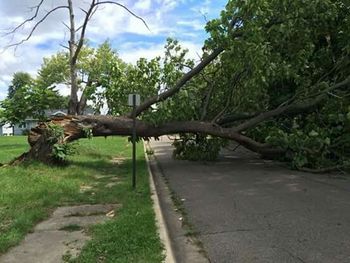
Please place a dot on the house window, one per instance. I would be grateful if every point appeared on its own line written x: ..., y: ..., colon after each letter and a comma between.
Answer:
x: 23, y: 125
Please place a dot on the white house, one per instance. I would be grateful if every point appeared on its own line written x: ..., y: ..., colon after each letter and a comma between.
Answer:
x: 25, y: 126
x: 7, y: 129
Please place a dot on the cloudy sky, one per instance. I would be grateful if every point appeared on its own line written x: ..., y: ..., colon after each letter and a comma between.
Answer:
x: 180, y: 19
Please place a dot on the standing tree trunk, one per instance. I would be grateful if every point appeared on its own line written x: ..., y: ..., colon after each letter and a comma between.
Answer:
x: 73, y: 101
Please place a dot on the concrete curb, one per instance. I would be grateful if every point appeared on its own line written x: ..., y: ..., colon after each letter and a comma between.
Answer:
x: 184, y: 248
x: 160, y: 222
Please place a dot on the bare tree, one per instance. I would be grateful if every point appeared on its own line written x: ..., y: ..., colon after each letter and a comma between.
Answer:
x: 76, y: 39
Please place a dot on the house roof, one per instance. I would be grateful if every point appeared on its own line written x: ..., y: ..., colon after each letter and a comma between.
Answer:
x: 64, y: 112
x: 55, y: 113
x: 58, y: 113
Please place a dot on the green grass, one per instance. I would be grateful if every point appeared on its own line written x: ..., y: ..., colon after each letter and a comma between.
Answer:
x: 30, y: 192
x: 12, y: 146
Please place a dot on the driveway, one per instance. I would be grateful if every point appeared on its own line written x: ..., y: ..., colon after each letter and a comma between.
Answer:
x: 249, y: 210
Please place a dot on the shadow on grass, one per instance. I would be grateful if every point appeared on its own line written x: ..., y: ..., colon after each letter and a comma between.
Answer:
x: 13, y: 145
x: 100, y: 166
x: 106, y: 167
x: 96, y: 155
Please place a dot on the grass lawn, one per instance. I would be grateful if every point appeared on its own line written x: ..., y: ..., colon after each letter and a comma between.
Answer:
x: 30, y: 192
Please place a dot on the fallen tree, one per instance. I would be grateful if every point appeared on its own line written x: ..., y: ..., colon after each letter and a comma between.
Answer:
x: 43, y: 138
x: 255, y: 84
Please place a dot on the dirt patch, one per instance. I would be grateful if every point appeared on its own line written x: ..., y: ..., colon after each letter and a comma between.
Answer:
x: 85, y: 188
x: 112, y: 184
x: 106, y: 177
x: 118, y: 160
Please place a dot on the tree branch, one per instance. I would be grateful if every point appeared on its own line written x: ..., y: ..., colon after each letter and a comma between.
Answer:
x: 206, y: 100
x: 37, y: 8
x: 64, y: 46
x: 235, y: 81
x: 125, y: 8
x: 295, y: 108
x: 323, y: 170
x: 207, y: 97
x: 88, y: 14
x: 66, y: 25
x: 83, y: 30
x: 234, y: 117
x: 185, y: 78
x: 35, y: 26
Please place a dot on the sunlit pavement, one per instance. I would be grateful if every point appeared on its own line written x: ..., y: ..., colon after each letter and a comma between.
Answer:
x: 249, y: 210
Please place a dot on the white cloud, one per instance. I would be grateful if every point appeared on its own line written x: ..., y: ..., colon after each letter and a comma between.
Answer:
x: 26, y: 58
x: 176, y: 18
x: 194, y: 24
x: 144, y: 5
x: 131, y: 53
x: 3, y: 89
x: 63, y: 89
x: 7, y: 58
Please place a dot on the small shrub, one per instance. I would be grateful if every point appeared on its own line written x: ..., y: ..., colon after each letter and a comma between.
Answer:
x: 62, y: 151
x: 56, y: 133
x: 198, y: 147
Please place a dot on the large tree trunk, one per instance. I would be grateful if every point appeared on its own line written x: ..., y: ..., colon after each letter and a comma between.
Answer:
x: 75, y: 127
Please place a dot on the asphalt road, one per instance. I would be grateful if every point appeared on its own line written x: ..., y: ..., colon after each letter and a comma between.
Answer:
x: 249, y: 210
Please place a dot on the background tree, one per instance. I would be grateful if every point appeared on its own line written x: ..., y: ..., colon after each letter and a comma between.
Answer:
x: 94, y: 70
x: 28, y: 98
x: 76, y: 40
x: 19, y: 80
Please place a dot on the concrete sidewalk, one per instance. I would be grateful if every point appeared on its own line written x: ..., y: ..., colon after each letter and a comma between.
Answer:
x: 249, y: 210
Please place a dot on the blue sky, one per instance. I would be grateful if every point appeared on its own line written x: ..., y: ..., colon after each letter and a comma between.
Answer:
x: 181, y: 19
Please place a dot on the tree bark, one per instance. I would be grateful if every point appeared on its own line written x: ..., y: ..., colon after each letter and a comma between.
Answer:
x: 75, y: 128
x: 73, y: 101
